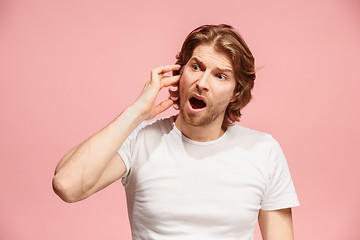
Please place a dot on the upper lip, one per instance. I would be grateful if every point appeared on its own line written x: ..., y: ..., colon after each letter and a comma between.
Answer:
x: 195, y: 95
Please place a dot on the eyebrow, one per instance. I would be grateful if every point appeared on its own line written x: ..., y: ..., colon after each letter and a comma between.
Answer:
x: 196, y: 59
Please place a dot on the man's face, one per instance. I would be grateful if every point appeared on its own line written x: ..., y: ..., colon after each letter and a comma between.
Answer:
x: 206, y: 86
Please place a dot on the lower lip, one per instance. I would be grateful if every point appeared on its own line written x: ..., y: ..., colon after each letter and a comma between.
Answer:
x: 192, y: 110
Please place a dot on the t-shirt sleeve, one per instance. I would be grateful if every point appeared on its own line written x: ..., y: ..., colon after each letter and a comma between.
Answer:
x: 126, y: 151
x: 280, y: 192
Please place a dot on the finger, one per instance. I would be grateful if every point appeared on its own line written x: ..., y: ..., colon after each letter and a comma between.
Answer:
x: 158, y: 73
x: 169, y: 68
x: 164, y: 69
x: 155, y: 73
x: 168, y: 81
x: 163, y: 106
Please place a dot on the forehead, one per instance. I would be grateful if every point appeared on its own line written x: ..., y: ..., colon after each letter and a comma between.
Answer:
x: 208, y: 54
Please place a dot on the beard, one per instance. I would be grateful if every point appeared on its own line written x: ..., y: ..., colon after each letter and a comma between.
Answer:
x: 211, y: 114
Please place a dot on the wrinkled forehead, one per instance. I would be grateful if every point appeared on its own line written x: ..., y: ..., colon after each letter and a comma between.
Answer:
x: 210, y: 53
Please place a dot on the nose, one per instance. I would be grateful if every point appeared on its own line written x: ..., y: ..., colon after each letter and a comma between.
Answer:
x: 202, y: 84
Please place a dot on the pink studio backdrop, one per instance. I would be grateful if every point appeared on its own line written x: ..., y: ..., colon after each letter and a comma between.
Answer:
x: 67, y: 68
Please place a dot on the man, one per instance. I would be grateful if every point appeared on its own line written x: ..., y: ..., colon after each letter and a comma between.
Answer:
x: 194, y: 175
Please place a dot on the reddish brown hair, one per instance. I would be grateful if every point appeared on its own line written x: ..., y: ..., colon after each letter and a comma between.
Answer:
x: 225, y: 39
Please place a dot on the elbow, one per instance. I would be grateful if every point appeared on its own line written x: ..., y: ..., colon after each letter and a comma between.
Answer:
x: 63, y: 190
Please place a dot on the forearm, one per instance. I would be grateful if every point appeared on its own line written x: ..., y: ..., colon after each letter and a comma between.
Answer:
x: 80, y: 169
x: 94, y: 164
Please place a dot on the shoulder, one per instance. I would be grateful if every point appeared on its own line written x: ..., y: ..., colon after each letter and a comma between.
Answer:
x: 157, y: 127
x: 254, y: 141
x: 250, y: 136
x: 148, y: 134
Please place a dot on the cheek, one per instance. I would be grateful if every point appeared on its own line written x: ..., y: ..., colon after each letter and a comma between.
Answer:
x: 226, y: 97
x: 184, y: 83
x: 182, y: 89
x: 188, y: 76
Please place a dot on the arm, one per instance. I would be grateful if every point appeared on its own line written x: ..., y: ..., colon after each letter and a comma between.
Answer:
x: 95, y: 163
x: 276, y: 224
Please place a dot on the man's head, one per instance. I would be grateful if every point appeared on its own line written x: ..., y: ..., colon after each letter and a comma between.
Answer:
x: 224, y: 39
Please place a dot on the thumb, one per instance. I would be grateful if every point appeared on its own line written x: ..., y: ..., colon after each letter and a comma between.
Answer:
x: 163, y: 106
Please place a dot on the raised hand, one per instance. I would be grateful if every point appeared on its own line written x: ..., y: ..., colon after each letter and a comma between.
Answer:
x: 94, y: 164
x: 145, y: 103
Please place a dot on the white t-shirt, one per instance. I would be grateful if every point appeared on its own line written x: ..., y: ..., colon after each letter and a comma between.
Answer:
x: 180, y: 189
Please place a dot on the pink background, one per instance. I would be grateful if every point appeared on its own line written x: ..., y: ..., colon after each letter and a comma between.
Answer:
x: 67, y: 68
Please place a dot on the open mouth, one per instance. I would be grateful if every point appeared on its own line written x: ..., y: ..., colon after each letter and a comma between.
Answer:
x: 197, y: 103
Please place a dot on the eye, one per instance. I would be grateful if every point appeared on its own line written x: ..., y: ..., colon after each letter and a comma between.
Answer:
x: 195, y: 67
x: 221, y: 76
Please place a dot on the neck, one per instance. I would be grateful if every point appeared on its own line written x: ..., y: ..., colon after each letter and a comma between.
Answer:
x: 205, y: 133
